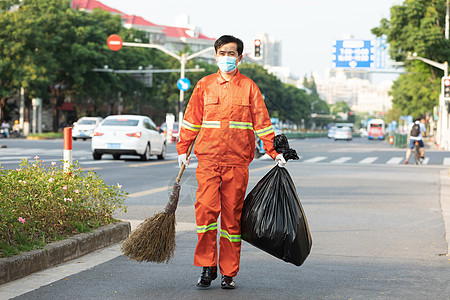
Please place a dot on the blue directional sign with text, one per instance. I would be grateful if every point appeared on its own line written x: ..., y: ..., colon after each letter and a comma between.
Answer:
x: 183, y: 84
x: 353, y: 54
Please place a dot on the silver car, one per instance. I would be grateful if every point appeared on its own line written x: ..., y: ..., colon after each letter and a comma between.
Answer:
x: 128, y: 135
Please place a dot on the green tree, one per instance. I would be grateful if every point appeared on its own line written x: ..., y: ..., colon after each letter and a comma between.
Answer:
x: 416, y: 26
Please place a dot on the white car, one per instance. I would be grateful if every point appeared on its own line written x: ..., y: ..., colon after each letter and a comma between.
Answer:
x: 128, y: 135
x: 84, y: 127
x: 344, y: 133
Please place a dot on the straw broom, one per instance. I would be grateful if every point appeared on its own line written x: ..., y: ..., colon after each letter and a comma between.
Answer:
x: 154, y: 239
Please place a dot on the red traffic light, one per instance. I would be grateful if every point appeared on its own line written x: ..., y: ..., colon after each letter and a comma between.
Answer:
x: 447, y: 82
x: 257, y: 43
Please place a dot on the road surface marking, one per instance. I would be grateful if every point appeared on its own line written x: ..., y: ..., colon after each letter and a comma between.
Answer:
x: 368, y: 160
x: 262, y: 168
x: 341, y: 160
x: 394, y: 161
x: 152, y: 163
x: 446, y: 161
x: 315, y: 159
x: 425, y: 161
x: 149, y: 192
x: 99, y: 162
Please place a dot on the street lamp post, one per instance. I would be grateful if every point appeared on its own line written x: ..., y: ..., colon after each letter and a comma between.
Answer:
x: 182, y: 59
x: 443, y: 131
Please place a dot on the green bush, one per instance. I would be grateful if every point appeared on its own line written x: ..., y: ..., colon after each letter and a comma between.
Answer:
x: 40, y: 204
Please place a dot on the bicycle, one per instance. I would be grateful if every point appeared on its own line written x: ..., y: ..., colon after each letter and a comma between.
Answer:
x: 417, y: 158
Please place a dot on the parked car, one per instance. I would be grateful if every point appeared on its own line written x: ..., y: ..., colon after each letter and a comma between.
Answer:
x: 175, y: 131
x: 344, y: 133
x: 84, y: 127
x: 128, y: 135
x: 331, y: 132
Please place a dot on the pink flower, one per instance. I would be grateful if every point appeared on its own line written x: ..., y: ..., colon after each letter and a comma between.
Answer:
x: 68, y: 199
x: 20, y: 219
x: 76, y: 191
x: 22, y: 181
x: 36, y: 157
x: 34, y: 165
x: 119, y: 186
x: 18, y: 170
x: 53, y: 163
x: 65, y: 187
x: 51, y: 180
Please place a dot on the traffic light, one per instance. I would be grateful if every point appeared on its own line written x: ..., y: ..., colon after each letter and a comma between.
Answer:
x: 446, y: 87
x: 257, y: 48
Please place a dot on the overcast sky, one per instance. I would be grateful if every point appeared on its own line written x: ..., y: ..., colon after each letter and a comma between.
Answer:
x: 307, y: 28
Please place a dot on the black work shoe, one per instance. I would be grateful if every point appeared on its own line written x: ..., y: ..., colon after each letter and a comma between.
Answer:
x: 227, y: 282
x: 208, y: 275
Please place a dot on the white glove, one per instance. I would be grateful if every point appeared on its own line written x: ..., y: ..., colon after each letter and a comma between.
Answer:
x: 182, y: 159
x: 279, y: 159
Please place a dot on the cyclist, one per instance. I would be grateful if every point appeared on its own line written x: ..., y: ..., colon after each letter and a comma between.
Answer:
x: 415, y: 135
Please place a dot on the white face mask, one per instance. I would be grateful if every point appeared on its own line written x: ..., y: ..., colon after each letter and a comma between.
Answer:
x: 226, y: 64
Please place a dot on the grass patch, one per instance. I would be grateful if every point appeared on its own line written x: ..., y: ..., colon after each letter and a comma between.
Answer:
x: 47, y: 135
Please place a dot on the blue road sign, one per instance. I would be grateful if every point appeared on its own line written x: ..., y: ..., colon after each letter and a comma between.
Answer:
x: 353, y: 54
x: 183, y: 84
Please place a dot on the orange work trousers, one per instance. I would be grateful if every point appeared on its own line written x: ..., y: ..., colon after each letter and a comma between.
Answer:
x: 221, y: 190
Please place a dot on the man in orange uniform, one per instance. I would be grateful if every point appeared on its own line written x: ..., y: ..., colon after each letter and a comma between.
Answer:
x: 224, y: 111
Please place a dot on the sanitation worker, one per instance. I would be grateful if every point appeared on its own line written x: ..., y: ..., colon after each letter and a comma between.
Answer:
x: 224, y: 111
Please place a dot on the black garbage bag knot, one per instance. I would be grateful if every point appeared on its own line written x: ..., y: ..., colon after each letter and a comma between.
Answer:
x: 281, y: 145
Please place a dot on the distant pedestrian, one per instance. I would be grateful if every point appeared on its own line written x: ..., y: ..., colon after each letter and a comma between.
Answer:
x: 5, y: 128
x: 224, y: 111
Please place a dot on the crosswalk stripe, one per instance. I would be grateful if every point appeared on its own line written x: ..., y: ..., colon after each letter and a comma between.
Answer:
x: 394, y: 161
x: 315, y: 159
x: 368, y: 160
x: 425, y: 161
x: 341, y: 160
x: 446, y: 161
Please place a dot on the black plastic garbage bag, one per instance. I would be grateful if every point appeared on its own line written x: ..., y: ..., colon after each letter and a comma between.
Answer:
x: 273, y: 219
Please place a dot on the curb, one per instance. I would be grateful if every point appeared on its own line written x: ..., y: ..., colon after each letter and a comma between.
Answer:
x: 15, y: 267
x: 445, y: 204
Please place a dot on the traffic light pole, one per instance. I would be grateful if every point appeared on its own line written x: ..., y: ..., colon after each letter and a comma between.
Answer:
x: 182, y: 59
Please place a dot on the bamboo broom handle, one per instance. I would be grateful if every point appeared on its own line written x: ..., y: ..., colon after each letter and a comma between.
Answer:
x: 183, y: 166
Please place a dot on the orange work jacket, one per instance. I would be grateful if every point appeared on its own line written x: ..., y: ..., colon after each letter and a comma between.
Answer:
x: 225, y: 115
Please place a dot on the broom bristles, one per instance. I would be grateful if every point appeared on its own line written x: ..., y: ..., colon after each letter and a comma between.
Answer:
x: 153, y: 240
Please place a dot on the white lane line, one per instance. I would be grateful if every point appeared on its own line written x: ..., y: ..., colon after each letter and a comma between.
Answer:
x: 315, y: 159
x: 341, y: 160
x: 149, y: 192
x: 100, y: 162
x: 368, y: 160
x: 394, y: 161
x: 446, y: 161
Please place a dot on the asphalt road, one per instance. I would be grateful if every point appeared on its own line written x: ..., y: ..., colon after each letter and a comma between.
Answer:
x: 377, y: 230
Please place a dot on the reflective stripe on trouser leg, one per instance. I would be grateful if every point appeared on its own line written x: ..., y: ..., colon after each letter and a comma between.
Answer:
x: 207, y: 209
x: 232, y: 194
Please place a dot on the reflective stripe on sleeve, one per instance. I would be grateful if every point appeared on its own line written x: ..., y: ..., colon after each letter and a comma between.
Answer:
x: 205, y: 228
x: 231, y: 238
x: 211, y: 124
x: 241, y: 125
x: 265, y: 131
x: 190, y: 126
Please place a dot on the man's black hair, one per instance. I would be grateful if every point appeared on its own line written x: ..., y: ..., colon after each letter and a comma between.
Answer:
x: 226, y: 39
